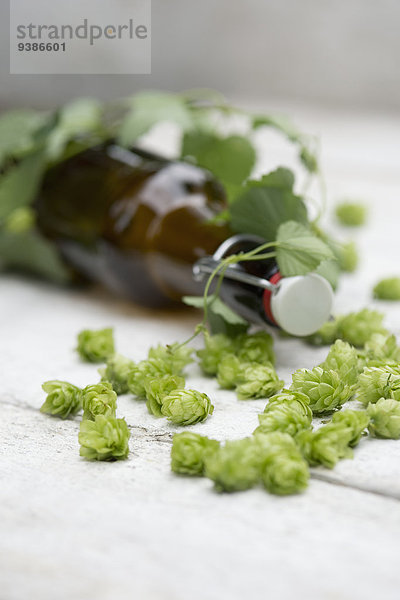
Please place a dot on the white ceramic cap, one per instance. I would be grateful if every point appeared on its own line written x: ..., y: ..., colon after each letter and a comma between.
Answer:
x: 302, y: 304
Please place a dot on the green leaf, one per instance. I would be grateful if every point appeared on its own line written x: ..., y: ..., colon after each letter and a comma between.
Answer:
x: 28, y: 251
x: 230, y: 159
x: 77, y: 119
x: 221, y: 318
x: 329, y: 269
x: 17, y: 129
x: 19, y: 184
x: 280, y: 123
x: 264, y: 205
x: 299, y: 251
x: 149, y: 108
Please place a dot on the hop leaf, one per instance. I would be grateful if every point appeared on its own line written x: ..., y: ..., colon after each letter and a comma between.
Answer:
x: 343, y: 359
x: 105, y: 438
x: 176, y: 356
x: 63, y: 399
x: 98, y: 399
x: 352, y: 214
x: 234, y: 466
x: 157, y: 389
x: 189, y: 452
x: 378, y: 382
x: 229, y: 371
x: 385, y: 418
x: 146, y: 370
x: 356, y: 420
x: 116, y: 372
x: 258, y: 381
x: 288, y: 412
x: 95, y: 346
x: 283, y: 469
x: 327, y: 445
x: 186, y: 407
x: 325, y: 389
x: 216, y: 346
x: 256, y: 347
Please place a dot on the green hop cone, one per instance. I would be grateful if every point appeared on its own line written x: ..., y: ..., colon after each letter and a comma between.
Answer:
x: 105, y: 438
x: 385, y: 418
x: 116, y: 372
x: 327, y: 445
x: 229, y: 371
x: 98, y: 399
x: 234, y: 466
x: 216, y: 346
x: 326, y: 335
x: 344, y: 359
x: 157, y: 389
x: 256, y: 347
x: 189, y: 452
x: 288, y: 412
x: 382, y: 347
x: 258, y: 381
x: 351, y: 214
x: 356, y: 420
x: 283, y: 469
x: 186, y: 407
x: 387, y: 289
x: 357, y: 328
x: 96, y: 346
x: 378, y: 382
x: 325, y: 389
x: 63, y: 399
x: 348, y: 257
x: 177, y: 356
x: 145, y: 370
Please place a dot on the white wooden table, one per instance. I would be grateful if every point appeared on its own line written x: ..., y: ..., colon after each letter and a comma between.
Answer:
x: 70, y: 529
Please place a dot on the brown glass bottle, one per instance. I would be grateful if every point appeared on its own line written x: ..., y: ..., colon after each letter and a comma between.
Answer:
x: 139, y: 224
x: 133, y: 221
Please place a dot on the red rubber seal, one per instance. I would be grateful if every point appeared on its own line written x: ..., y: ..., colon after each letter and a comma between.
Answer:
x: 267, y: 298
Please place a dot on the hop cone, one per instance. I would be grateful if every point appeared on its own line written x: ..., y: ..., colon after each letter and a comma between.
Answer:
x: 325, y: 389
x: 382, y: 347
x: 229, y: 371
x: 256, y: 347
x: 177, y: 356
x: 116, y: 372
x: 356, y: 420
x: 344, y: 359
x: 378, y: 382
x: 189, y: 452
x: 98, y: 399
x: 283, y: 469
x: 357, y: 328
x: 63, y: 399
x: 96, y: 346
x: 288, y: 412
x: 186, y: 407
x: 216, y: 346
x: 258, y: 381
x: 385, y: 418
x: 325, y: 446
x: 234, y: 466
x: 145, y: 370
x: 157, y: 389
x: 105, y: 438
